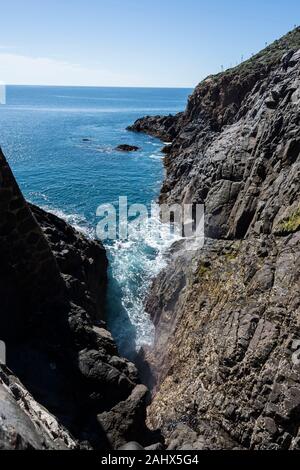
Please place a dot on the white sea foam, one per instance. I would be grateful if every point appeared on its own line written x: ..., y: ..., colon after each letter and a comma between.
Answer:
x: 33, y: 195
x: 78, y: 221
x: 155, y: 156
x: 135, y: 262
x: 152, y: 142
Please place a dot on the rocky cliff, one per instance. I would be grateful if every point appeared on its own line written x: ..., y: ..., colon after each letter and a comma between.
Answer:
x: 64, y: 385
x: 228, y: 316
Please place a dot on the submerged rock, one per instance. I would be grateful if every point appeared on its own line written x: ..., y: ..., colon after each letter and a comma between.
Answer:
x: 127, y: 148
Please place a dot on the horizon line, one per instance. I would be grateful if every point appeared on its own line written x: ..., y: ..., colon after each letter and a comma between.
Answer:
x: 102, y: 86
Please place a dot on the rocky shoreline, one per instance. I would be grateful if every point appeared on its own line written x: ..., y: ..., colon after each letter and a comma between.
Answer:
x: 227, y: 316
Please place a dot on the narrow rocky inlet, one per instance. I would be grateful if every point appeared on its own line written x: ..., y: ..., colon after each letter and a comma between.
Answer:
x: 225, y: 363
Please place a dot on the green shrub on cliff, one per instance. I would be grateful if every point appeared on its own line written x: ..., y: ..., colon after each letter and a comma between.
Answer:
x: 290, y: 224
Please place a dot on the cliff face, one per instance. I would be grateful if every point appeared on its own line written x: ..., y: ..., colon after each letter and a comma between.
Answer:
x: 227, y: 316
x: 64, y: 383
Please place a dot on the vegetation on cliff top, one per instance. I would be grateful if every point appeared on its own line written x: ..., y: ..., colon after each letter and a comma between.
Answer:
x: 267, y: 57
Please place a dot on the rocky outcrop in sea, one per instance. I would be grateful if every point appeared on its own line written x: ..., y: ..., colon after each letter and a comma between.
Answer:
x: 227, y: 316
x: 127, y: 148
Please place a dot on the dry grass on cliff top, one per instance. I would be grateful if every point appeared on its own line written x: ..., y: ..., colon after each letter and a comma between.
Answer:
x: 266, y: 58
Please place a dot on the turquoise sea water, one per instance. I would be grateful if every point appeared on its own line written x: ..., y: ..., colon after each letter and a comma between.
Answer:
x: 43, y: 134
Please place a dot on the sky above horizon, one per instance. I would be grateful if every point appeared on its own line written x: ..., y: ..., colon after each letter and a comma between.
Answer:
x: 151, y: 43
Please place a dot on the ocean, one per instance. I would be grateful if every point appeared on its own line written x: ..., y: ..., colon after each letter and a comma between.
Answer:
x: 60, y: 144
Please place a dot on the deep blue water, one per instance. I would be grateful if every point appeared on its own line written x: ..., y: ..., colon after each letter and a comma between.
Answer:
x: 42, y: 132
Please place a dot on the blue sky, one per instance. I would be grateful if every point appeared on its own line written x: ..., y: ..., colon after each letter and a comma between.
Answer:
x: 172, y: 43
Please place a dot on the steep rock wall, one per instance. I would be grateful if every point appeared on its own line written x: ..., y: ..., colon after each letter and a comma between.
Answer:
x: 227, y: 316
